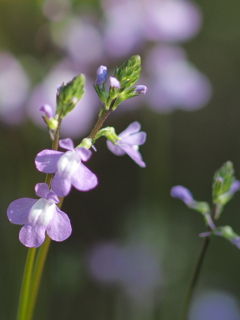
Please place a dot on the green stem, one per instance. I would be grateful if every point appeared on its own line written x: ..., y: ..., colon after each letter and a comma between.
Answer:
x: 26, y: 282
x: 36, y: 276
x: 99, y: 124
x: 194, y: 278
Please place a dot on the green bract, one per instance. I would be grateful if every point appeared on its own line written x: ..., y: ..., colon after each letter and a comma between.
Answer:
x: 222, y: 181
x: 69, y: 95
x: 129, y: 72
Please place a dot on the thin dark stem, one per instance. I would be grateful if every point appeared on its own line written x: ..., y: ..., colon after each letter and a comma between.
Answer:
x: 196, y: 271
x: 194, y: 278
x: 99, y: 124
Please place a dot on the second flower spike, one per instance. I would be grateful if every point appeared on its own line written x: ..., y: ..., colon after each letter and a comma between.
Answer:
x: 68, y: 168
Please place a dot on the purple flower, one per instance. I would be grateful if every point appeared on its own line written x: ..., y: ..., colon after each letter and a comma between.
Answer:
x: 47, y: 110
x: 183, y: 194
x: 39, y: 216
x: 68, y: 168
x: 114, y: 83
x: 129, y: 141
x: 141, y: 89
x: 101, y: 75
x: 234, y: 187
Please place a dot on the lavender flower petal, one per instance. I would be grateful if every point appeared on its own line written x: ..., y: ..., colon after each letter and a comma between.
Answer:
x: 135, y: 139
x: 183, y: 194
x: 66, y: 144
x: 134, y: 154
x: 61, y: 185
x: 48, y: 110
x: 46, y: 160
x: 32, y: 236
x: 84, y: 153
x: 60, y: 227
x: 84, y: 179
x: 41, y: 190
x: 18, y: 210
x: 234, y: 187
x: 115, y: 149
x: 132, y: 128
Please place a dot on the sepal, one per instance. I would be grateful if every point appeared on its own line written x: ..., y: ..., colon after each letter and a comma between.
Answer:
x: 109, y: 133
x: 86, y: 143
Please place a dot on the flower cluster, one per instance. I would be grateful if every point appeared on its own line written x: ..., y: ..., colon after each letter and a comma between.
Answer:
x: 66, y: 169
x: 223, y: 189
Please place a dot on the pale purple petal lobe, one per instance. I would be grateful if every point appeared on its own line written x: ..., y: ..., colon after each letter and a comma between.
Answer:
x: 41, y: 190
x: 137, y: 138
x: 60, y: 227
x: 32, y: 236
x: 46, y: 160
x: 60, y: 185
x: 84, y: 179
x: 84, y: 153
x: 132, y: 128
x: 18, y: 210
x: 48, y: 110
x: 66, y: 144
x: 134, y: 154
x: 183, y: 194
x: 130, y: 140
x: 115, y: 149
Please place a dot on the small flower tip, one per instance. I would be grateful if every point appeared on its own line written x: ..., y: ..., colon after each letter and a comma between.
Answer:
x: 101, y: 75
x: 114, y: 82
x: 141, y: 89
x: 182, y: 193
x: 47, y: 110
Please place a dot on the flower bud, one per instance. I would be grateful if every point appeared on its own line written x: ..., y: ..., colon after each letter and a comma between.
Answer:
x: 183, y: 194
x: 114, y: 83
x: 101, y: 75
x: 140, y: 89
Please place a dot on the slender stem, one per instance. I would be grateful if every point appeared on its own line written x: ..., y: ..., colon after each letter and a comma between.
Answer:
x: 36, y: 277
x: 197, y: 269
x: 26, y: 282
x: 99, y: 123
x: 194, y: 278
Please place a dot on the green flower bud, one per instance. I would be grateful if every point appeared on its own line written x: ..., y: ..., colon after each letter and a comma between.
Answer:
x: 86, y: 143
x: 129, y: 72
x: 69, y: 95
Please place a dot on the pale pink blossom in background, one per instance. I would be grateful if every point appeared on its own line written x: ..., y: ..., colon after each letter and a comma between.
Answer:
x: 14, y: 88
x: 174, y: 83
x: 134, y: 267
x: 215, y: 304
